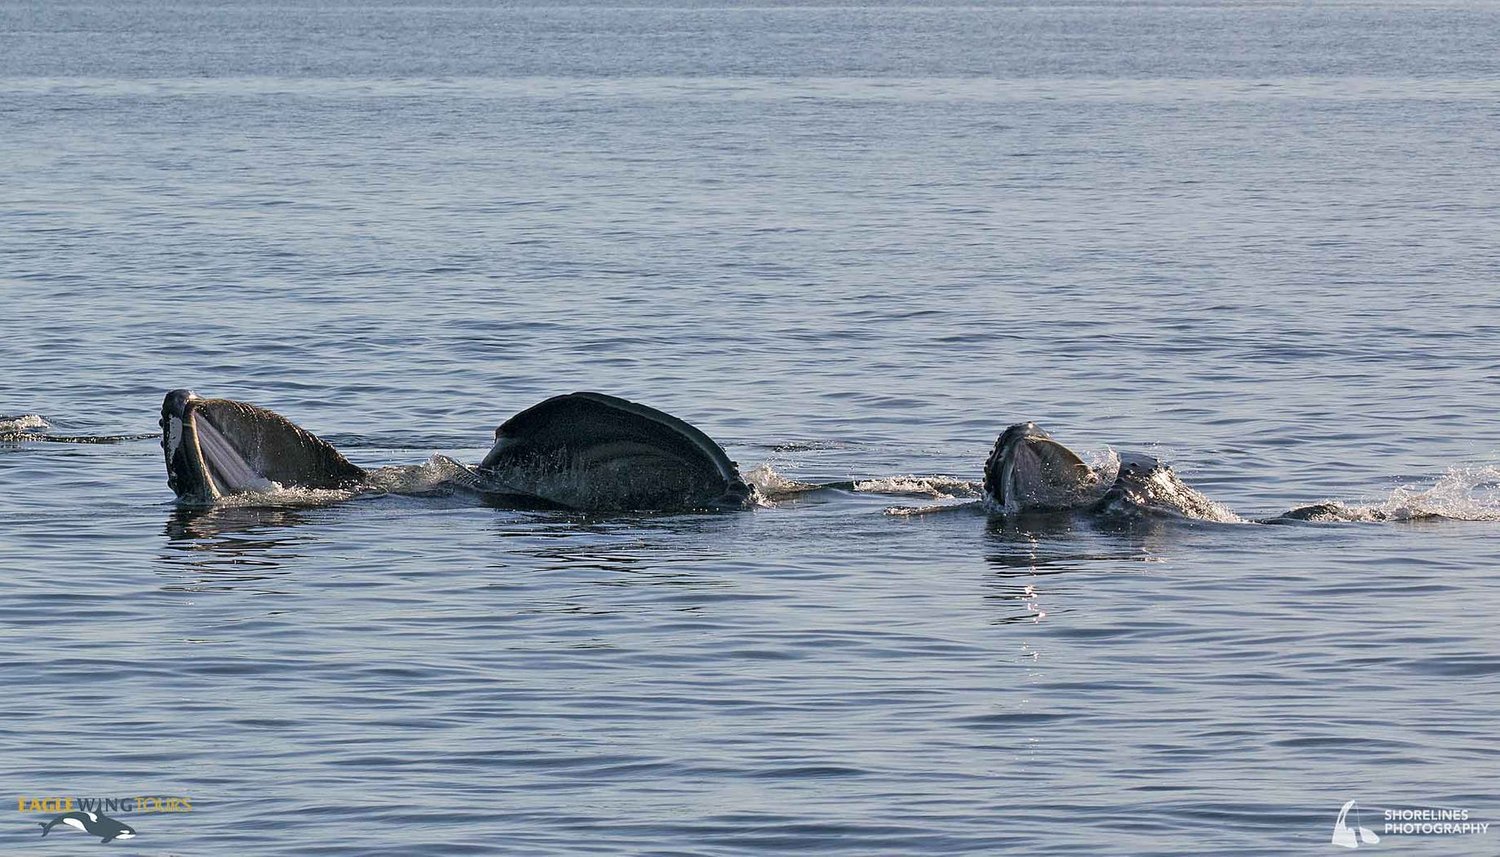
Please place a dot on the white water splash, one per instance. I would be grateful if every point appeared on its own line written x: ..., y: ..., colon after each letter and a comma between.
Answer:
x: 764, y: 478
x: 936, y: 487
x: 767, y: 486
x: 437, y: 473
x: 933, y: 508
x: 22, y: 423
x: 1463, y: 494
x: 1106, y: 464
x: 277, y: 495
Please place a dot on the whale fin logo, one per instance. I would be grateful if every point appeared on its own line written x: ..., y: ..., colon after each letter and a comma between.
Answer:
x: 1351, y: 837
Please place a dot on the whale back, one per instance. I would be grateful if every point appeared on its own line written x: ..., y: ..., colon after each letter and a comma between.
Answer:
x: 598, y: 453
x: 218, y: 447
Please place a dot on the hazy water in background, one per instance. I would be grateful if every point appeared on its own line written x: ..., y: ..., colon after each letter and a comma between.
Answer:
x: 846, y: 240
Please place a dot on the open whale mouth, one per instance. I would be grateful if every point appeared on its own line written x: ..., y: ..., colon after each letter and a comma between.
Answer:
x: 1028, y: 469
x: 219, y: 447
x: 202, y: 463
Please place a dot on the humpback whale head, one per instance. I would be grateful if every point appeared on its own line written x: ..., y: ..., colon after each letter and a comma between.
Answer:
x: 218, y: 447
x: 1145, y: 484
x: 1029, y: 470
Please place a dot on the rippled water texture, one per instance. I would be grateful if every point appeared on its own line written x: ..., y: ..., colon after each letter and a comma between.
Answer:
x: 849, y: 243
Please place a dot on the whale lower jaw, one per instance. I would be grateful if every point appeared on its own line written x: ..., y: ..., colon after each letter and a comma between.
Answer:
x: 214, y: 467
x: 203, y: 466
x: 216, y: 448
x: 1030, y: 470
x: 189, y: 472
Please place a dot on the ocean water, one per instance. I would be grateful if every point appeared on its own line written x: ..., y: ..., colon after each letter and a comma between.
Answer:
x: 848, y: 241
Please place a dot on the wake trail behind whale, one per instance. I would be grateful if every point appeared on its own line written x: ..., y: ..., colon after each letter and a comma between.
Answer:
x: 1466, y: 493
x: 774, y: 486
x: 33, y: 427
x: 21, y: 423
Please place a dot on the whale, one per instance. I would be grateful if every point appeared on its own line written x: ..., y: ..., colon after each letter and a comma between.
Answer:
x: 1028, y: 470
x: 217, y: 448
x: 92, y: 823
x: 1145, y: 483
x: 584, y: 451
x: 594, y: 452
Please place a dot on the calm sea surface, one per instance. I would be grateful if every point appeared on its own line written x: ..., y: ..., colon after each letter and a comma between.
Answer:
x: 846, y: 241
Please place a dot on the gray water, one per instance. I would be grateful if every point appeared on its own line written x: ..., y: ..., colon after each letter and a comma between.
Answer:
x: 847, y: 241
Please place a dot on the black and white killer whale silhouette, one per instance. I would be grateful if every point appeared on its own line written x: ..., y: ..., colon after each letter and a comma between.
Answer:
x: 92, y: 823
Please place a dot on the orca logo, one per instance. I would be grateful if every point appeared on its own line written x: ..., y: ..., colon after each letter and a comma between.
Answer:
x: 92, y: 823
x: 1352, y: 837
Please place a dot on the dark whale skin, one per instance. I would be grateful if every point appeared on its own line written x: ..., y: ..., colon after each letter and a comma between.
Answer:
x: 596, y: 453
x: 271, y: 445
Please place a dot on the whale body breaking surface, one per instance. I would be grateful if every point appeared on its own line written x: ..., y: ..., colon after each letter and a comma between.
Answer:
x: 586, y: 452
x: 594, y: 453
